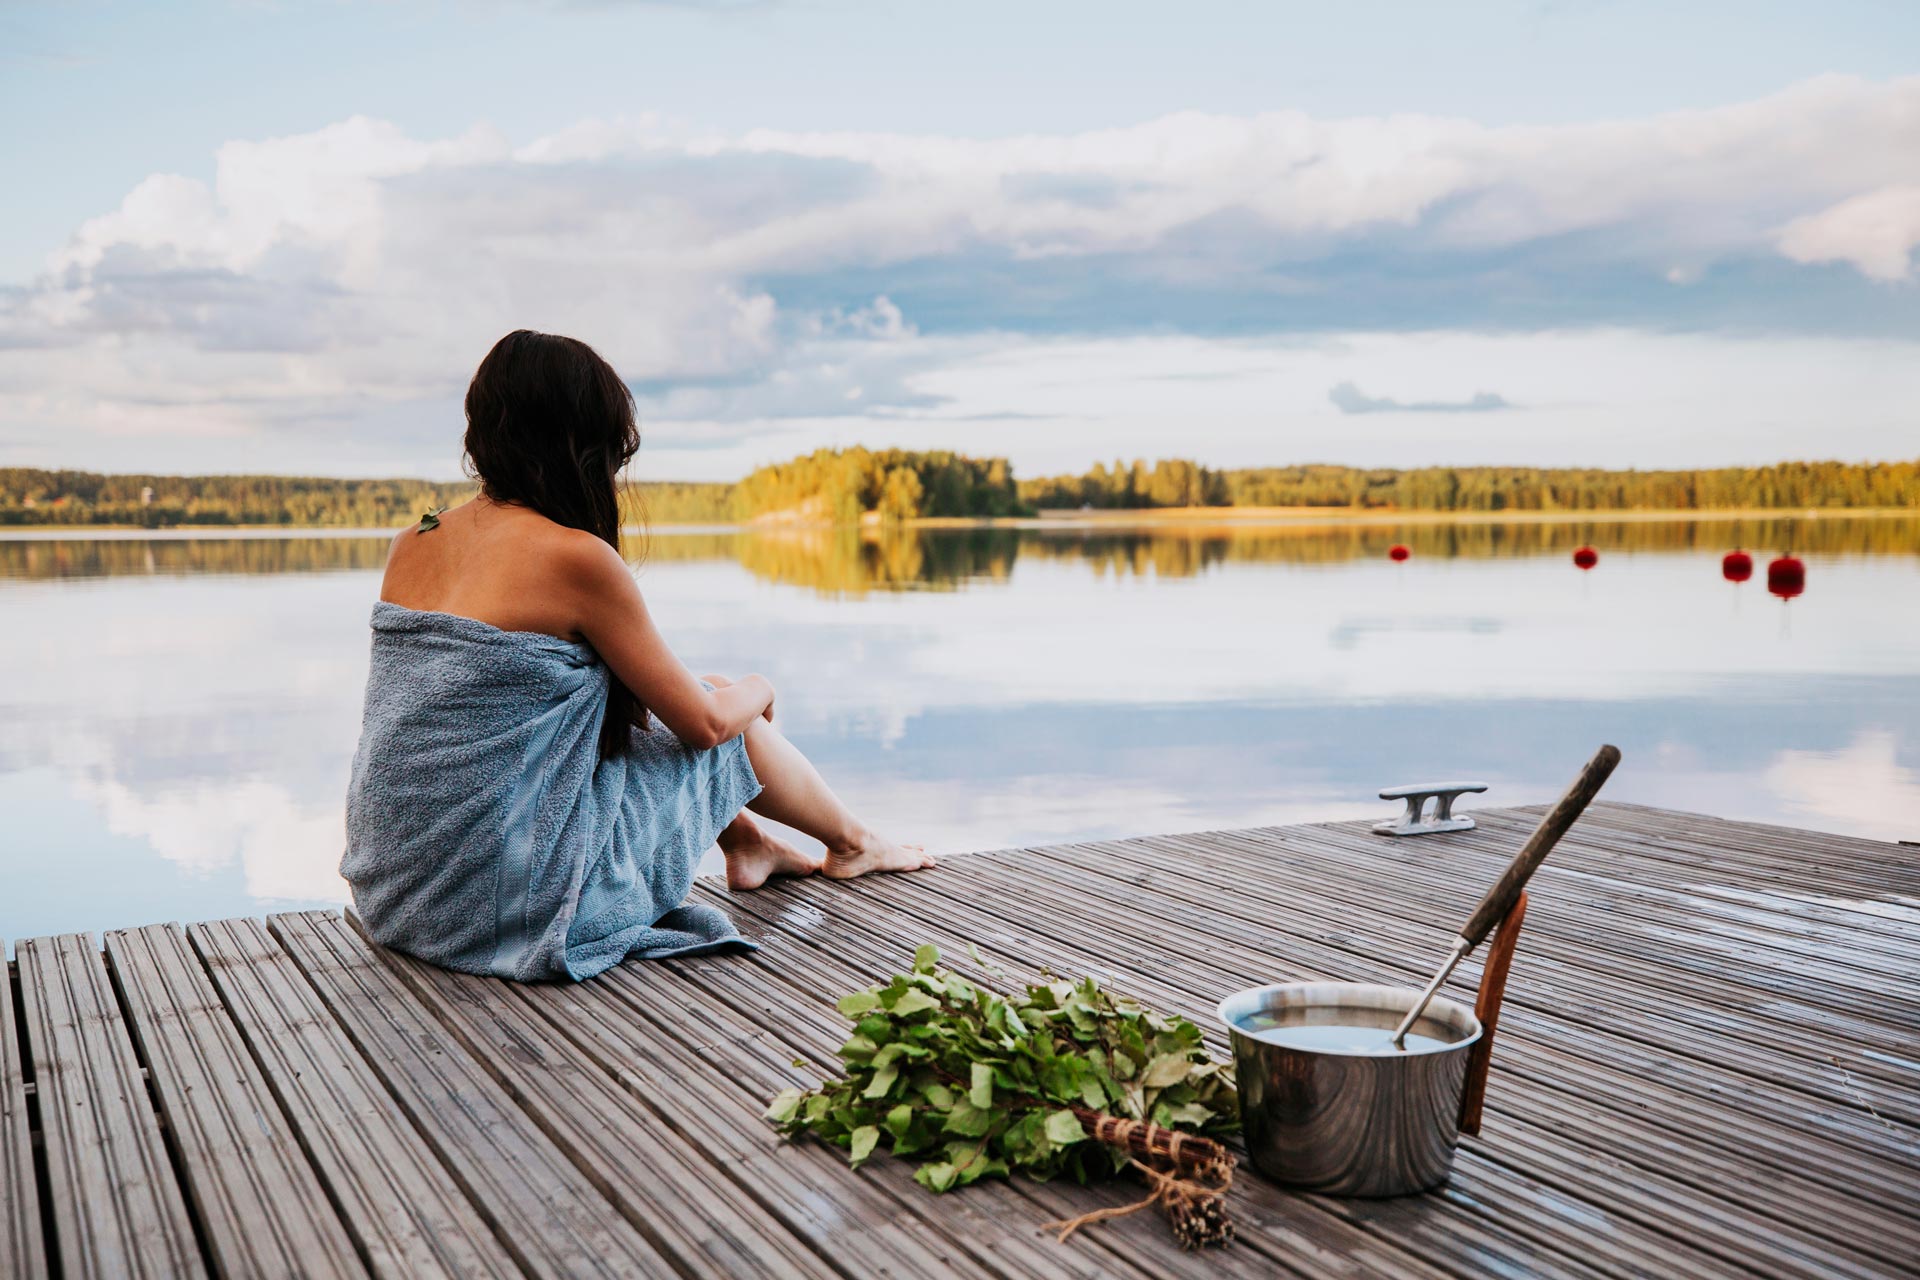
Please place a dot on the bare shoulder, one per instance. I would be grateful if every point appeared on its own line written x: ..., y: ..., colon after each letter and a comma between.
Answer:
x: 576, y: 556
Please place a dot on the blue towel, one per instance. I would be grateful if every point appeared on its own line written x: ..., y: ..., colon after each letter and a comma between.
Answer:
x: 484, y: 832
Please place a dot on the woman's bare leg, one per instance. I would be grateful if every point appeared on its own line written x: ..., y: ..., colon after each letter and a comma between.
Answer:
x: 795, y: 793
x: 755, y: 854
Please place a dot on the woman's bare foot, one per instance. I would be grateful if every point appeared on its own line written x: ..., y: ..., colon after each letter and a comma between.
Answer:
x: 754, y: 855
x: 872, y: 853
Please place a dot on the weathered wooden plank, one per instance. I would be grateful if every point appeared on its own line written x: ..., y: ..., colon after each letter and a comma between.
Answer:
x: 22, y: 1252
x: 1597, y: 913
x: 661, y: 1049
x: 869, y: 939
x: 1777, y: 1037
x: 1715, y: 930
x: 1581, y: 995
x: 673, y: 1191
x: 260, y: 1208
x: 403, y: 1209
x: 545, y: 1210
x: 1728, y: 1232
x: 1791, y: 1135
x: 786, y: 996
x: 1578, y: 1148
x: 117, y: 1209
x: 1687, y: 844
x: 1875, y: 905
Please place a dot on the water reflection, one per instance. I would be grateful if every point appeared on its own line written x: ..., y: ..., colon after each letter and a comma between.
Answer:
x: 177, y: 715
x: 852, y: 561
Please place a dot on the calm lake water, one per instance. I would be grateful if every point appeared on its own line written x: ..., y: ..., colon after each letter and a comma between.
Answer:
x: 177, y: 714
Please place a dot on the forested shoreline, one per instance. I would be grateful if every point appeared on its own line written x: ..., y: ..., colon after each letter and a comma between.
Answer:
x: 844, y: 486
x: 35, y: 497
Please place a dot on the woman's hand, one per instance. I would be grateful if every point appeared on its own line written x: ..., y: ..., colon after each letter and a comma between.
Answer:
x: 613, y: 618
x: 721, y: 682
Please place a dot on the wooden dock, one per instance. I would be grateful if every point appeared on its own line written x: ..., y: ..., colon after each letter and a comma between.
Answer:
x: 1709, y: 1064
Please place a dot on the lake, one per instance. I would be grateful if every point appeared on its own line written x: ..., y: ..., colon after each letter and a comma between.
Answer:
x: 177, y: 713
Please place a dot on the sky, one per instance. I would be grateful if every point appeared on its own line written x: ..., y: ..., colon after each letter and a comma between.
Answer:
x: 275, y: 235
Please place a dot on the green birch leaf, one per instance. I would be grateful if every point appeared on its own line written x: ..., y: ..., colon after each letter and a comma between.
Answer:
x: 925, y: 957
x: 1189, y: 1115
x: 981, y: 1094
x: 1168, y: 1068
x: 882, y: 1081
x: 1064, y: 1127
x: 913, y: 1002
x: 864, y: 1139
x: 785, y: 1104
x: 858, y: 1003
x: 937, y: 1175
x: 968, y: 1120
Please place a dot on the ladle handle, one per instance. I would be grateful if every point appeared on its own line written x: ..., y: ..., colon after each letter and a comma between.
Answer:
x: 1500, y: 898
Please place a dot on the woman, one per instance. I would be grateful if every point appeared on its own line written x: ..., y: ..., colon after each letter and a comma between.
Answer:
x: 538, y: 774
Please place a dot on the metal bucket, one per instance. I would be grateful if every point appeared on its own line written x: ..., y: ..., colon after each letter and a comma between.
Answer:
x: 1350, y: 1124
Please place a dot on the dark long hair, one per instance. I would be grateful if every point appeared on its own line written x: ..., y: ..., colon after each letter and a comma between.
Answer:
x: 550, y: 427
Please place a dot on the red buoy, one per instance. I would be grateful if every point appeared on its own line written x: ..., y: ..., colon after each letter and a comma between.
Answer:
x: 1786, y: 577
x: 1397, y: 553
x: 1586, y: 557
x: 1736, y: 566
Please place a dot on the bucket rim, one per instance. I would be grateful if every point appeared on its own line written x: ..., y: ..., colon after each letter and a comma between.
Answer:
x: 1249, y: 999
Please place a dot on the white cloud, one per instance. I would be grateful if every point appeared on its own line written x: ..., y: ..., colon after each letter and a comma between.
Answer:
x: 1864, y: 786
x: 348, y: 279
x: 1876, y: 233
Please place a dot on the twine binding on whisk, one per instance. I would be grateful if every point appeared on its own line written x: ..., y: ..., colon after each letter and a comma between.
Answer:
x: 1188, y: 1177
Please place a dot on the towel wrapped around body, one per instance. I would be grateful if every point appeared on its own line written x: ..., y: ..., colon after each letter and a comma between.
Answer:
x: 486, y: 834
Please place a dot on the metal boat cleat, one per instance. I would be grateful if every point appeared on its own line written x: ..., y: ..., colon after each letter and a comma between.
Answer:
x: 1414, y: 823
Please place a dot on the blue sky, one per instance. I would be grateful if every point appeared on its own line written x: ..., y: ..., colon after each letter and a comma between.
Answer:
x: 277, y: 236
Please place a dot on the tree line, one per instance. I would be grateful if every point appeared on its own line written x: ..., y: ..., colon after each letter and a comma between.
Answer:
x: 847, y: 486
x: 1176, y: 483
x: 29, y: 496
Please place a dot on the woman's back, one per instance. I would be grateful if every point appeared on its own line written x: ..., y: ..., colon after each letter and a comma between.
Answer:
x: 503, y: 565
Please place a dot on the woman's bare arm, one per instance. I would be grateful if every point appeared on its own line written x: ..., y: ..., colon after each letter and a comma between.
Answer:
x: 613, y: 618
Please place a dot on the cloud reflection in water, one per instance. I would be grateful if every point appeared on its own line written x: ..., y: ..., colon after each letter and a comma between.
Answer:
x: 179, y: 715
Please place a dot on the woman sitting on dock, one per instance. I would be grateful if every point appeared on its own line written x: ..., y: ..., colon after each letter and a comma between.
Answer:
x: 538, y: 775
